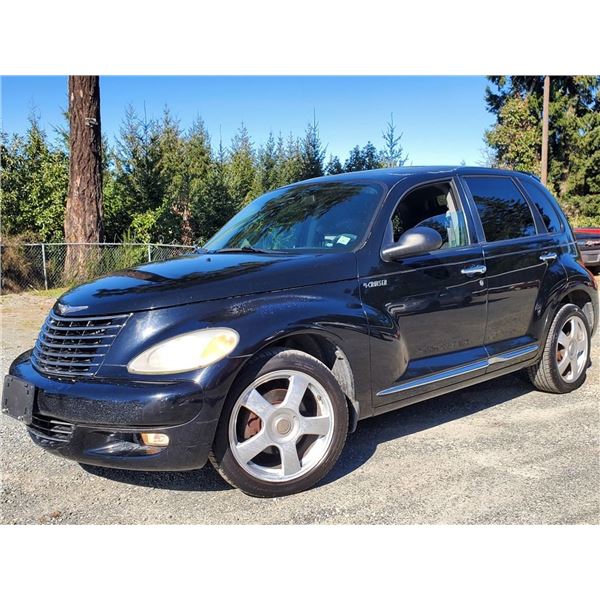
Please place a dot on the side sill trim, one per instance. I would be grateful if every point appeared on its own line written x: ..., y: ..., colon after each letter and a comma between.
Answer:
x: 470, y: 368
x: 512, y: 354
x: 463, y: 370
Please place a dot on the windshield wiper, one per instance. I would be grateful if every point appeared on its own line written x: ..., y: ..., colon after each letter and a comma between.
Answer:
x: 249, y: 249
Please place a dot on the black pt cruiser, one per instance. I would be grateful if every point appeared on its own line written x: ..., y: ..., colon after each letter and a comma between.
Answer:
x: 319, y: 304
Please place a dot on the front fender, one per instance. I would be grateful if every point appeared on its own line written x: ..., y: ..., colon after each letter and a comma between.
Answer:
x: 332, y: 311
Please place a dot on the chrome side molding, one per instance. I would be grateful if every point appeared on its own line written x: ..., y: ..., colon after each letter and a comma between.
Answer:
x: 462, y: 370
x: 512, y: 354
x: 420, y: 381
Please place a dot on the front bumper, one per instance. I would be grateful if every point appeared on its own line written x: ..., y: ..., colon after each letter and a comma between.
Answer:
x: 99, y: 421
x: 109, y: 446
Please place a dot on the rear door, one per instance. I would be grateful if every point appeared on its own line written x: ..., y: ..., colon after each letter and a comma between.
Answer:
x: 520, y: 258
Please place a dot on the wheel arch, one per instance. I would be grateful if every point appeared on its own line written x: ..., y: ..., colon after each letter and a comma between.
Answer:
x: 325, y: 349
x: 581, y: 297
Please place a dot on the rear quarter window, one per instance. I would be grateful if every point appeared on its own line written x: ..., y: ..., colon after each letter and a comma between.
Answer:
x: 504, y: 212
x: 543, y: 202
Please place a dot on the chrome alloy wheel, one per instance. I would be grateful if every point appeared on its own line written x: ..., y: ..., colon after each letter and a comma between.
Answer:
x: 281, y: 426
x: 572, y: 349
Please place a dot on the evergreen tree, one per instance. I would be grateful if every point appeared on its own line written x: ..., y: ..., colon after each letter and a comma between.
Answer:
x: 139, y: 177
x: 34, y: 185
x: 393, y: 153
x: 312, y: 153
x: 266, y: 178
x: 280, y: 157
x: 371, y: 157
x: 241, y: 168
x: 289, y: 161
x: 516, y: 137
x: 113, y: 207
x: 173, y: 216
x: 334, y: 166
x: 219, y: 206
x: 160, y: 182
x: 198, y: 163
x: 354, y: 162
x: 363, y: 159
x: 582, y: 187
x: 573, y: 124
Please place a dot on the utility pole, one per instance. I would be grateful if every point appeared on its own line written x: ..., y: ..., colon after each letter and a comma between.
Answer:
x: 545, y: 119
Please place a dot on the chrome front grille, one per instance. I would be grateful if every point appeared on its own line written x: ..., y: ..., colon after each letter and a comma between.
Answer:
x: 74, y: 347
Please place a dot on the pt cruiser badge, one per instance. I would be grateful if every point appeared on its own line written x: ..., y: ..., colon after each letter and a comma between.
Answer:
x: 373, y: 284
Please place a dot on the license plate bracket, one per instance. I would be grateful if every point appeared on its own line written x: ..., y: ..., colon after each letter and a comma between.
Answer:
x: 18, y: 397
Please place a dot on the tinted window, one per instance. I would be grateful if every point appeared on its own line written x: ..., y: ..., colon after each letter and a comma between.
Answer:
x: 540, y: 197
x: 504, y: 212
x: 431, y: 206
x: 329, y: 216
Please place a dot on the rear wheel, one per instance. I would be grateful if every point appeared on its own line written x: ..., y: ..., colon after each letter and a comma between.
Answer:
x: 566, y: 354
x: 283, y: 426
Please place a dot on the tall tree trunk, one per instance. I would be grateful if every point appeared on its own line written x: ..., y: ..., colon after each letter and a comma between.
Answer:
x: 83, y: 216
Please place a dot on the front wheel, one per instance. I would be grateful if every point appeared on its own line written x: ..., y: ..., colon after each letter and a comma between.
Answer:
x: 566, y: 353
x: 283, y: 426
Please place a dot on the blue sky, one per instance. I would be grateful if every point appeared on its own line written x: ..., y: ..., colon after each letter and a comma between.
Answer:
x: 442, y: 118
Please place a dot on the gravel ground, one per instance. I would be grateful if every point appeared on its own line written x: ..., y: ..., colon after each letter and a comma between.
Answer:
x: 498, y: 452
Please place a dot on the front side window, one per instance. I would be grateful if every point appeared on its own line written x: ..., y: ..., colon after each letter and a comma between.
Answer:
x: 539, y: 196
x: 431, y: 206
x: 330, y: 217
x: 504, y: 213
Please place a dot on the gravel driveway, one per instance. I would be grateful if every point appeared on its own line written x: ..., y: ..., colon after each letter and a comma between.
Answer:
x: 499, y: 452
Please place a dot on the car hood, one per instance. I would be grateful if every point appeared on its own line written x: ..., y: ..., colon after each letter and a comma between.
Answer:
x: 200, y: 277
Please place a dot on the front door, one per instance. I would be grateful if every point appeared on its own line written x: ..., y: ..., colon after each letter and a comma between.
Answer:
x: 427, y: 313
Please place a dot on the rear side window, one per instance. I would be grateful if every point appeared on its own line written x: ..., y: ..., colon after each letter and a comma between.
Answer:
x: 504, y: 212
x: 539, y: 196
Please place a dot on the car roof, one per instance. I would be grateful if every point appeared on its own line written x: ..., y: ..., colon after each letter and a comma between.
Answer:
x: 394, y: 174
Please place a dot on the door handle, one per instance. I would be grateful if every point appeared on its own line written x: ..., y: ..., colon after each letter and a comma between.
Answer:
x: 548, y: 256
x: 474, y: 270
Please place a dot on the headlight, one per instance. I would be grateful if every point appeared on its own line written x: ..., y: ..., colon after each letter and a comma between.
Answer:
x: 186, y: 352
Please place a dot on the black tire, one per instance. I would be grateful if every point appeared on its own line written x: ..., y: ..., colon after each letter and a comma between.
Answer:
x: 545, y: 375
x: 277, y: 359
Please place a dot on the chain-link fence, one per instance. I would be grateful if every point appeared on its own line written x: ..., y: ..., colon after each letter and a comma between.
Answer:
x: 46, y: 266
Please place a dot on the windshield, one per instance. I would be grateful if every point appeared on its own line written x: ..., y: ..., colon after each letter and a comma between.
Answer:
x: 328, y: 217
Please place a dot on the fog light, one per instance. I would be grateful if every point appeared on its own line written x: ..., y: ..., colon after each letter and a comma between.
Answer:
x: 155, y: 439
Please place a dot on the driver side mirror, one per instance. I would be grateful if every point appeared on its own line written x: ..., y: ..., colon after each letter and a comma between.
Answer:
x: 418, y: 240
